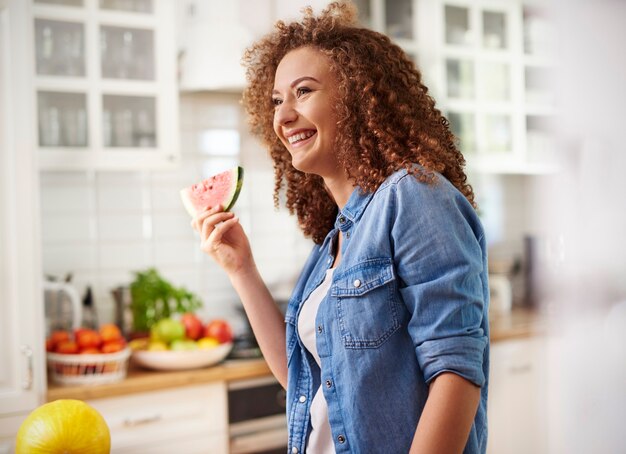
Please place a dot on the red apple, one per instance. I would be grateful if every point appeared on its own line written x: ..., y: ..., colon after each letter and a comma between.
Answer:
x: 220, y: 330
x: 193, y: 326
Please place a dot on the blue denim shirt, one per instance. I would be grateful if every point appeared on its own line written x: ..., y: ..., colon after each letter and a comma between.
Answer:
x: 408, y: 301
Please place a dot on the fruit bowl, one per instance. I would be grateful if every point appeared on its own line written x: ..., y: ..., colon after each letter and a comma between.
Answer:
x: 179, y: 360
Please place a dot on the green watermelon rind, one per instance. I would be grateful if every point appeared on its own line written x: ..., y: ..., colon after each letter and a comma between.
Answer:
x: 228, y: 202
x: 237, y: 190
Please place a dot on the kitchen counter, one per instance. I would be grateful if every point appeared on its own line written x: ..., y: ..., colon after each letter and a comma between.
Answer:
x: 520, y: 323
x: 140, y: 380
x: 517, y: 324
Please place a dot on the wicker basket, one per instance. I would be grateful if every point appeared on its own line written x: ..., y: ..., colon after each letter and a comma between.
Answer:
x: 88, y: 369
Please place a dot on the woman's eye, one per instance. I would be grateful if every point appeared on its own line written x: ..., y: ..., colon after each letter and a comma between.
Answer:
x: 302, y: 91
x: 276, y: 102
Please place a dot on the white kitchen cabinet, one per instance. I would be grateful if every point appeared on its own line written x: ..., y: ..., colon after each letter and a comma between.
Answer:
x: 212, y: 37
x: 190, y: 420
x: 487, y: 64
x: 517, y: 399
x: 104, y: 83
x: 22, y: 356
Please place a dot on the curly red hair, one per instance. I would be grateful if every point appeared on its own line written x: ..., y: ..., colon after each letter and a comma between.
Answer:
x: 387, y: 121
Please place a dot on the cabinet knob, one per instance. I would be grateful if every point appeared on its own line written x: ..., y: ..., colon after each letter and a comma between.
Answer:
x: 27, y: 383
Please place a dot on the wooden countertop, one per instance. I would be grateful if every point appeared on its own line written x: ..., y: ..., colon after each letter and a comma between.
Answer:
x: 520, y: 323
x: 139, y: 380
x: 517, y: 324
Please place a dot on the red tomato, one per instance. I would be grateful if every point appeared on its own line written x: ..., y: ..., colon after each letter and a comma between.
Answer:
x: 113, y: 346
x: 87, y: 338
x: 220, y: 330
x: 68, y: 347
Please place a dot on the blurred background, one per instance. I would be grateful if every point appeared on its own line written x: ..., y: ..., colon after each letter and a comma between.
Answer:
x: 110, y: 107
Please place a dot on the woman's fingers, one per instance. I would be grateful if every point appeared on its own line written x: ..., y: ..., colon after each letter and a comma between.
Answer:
x: 196, y: 223
x: 210, y: 222
x: 221, y: 229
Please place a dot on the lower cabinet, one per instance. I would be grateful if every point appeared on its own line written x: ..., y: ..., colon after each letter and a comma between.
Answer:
x: 516, y: 408
x: 190, y: 420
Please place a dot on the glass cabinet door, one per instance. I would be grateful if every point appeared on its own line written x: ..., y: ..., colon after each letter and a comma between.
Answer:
x: 62, y: 119
x: 59, y: 48
x: 136, y: 6
x: 129, y: 121
x: 61, y: 2
x: 463, y: 126
x: 457, y: 25
x: 399, y: 19
x: 460, y: 78
x: 126, y: 53
x: 495, y: 34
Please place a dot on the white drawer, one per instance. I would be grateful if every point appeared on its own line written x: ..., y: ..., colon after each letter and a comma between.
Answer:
x: 194, y: 415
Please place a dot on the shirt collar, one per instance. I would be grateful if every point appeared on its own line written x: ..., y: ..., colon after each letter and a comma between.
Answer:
x: 353, y: 209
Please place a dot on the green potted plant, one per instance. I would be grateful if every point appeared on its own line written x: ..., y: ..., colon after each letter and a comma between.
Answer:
x: 154, y: 298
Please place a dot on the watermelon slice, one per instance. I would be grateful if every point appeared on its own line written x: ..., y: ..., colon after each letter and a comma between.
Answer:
x: 221, y: 189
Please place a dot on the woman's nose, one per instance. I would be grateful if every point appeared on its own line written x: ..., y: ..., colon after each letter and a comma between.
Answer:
x: 285, y: 113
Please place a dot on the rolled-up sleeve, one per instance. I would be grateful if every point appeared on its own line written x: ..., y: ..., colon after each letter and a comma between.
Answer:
x: 440, y: 258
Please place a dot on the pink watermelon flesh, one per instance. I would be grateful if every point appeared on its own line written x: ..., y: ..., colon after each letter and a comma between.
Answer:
x: 221, y: 189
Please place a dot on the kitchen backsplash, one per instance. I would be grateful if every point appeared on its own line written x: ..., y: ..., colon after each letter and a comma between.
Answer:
x: 102, y: 226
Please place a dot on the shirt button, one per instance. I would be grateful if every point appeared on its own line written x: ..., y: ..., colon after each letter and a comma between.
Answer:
x: 294, y: 450
x: 320, y: 329
x: 342, y: 220
x: 329, y: 383
x: 347, y: 234
x: 302, y: 399
x: 357, y: 283
x: 341, y: 439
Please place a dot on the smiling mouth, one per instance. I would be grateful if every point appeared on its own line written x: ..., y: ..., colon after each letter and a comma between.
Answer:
x: 300, y: 137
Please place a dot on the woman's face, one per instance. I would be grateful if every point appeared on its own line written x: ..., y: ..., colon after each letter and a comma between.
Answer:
x: 304, y: 118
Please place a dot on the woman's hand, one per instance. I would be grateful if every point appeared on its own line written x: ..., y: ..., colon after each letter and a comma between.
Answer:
x: 223, y: 238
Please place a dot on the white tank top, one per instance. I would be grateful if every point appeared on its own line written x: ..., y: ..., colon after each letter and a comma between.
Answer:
x: 321, y: 439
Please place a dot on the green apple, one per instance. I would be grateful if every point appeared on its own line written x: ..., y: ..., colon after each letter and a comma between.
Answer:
x: 167, y: 330
x: 184, y: 345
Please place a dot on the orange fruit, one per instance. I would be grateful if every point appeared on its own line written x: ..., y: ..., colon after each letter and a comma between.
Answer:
x: 110, y: 332
x: 64, y: 426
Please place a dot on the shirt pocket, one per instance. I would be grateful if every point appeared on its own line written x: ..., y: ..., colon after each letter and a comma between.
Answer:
x: 367, y: 304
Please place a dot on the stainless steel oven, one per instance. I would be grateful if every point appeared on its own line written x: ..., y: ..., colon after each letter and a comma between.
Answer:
x: 256, y: 416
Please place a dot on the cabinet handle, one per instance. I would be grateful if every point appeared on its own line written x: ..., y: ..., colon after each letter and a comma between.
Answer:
x: 130, y: 422
x: 27, y: 383
x: 521, y: 369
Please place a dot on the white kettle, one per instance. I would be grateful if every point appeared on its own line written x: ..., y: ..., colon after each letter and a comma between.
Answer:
x: 63, y: 306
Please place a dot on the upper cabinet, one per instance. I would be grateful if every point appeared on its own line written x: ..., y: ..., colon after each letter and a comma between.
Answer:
x: 105, y: 84
x: 212, y: 37
x: 488, y: 64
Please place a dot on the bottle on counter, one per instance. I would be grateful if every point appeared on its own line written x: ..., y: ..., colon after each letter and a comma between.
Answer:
x: 90, y: 317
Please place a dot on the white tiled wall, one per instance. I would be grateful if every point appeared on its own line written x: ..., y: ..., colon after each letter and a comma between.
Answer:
x: 102, y: 226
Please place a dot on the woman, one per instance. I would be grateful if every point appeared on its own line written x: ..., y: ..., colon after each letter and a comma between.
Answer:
x: 385, y: 348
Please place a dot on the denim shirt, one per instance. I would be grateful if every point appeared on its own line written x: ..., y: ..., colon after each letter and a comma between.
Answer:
x: 408, y: 301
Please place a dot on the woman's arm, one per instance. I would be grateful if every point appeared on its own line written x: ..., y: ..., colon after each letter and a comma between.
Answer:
x: 265, y: 318
x: 448, y: 415
x: 223, y: 238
